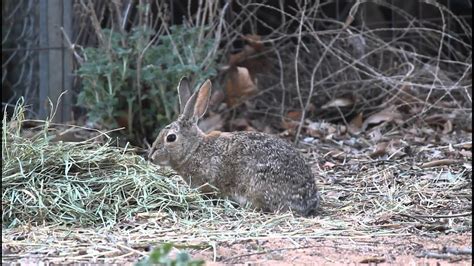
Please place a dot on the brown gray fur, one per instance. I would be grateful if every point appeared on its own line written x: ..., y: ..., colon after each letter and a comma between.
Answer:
x: 247, y: 167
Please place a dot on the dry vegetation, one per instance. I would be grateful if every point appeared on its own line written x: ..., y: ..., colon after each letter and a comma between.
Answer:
x: 385, y: 123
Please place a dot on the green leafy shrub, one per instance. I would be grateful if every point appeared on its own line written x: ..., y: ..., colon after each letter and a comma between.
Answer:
x: 130, y: 80
x: 159, y: 256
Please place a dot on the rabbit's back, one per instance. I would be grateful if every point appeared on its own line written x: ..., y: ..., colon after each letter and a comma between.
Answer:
x: 266, y: 171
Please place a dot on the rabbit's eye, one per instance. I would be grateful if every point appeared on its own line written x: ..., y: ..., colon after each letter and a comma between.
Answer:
x: 171, y: 138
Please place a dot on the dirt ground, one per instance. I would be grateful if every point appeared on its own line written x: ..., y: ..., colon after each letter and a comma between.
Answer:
x: 50, y: 247
x: 408, y: 250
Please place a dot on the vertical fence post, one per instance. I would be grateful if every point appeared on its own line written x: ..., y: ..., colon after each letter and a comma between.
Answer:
x: 67, y: 61
x: 43, y: 60
x: 55, y: 63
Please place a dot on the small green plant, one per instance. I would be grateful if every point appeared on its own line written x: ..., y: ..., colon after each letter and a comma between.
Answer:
x: 159, y: 256
x: 130, y: 80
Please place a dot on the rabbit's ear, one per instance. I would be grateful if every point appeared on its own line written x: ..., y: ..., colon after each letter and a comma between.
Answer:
x: 197, y: 104
x: 203, y: 98
x: 184, y: 92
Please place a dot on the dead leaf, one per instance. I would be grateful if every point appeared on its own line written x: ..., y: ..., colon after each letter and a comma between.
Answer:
x: 339, y: 102
x: 239, y: 86
x: 355, y: 126
x: 255, y: 41
x: 440, y: 163
x: 390, y: 114
x: 467, y: 145
x: 380, y: 150
x: 397, y: 149
x: 315, y: 133
x: 375, y: 135
x: 447, y: 127
x: 294, y: 115
x: 289, y: 124
x: 316, y: 129
x: 251, y: 57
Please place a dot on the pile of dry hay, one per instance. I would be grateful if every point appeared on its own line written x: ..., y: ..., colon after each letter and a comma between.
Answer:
x: 85, y: 183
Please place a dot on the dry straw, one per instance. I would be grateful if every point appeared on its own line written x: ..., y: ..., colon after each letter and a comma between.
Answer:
x: 83, y: 183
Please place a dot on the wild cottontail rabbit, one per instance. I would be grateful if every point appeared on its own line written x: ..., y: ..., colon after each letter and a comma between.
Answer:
x: 248, y: 167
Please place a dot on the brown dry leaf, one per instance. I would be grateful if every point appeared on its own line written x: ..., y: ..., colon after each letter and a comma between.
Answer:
x: 440, y: 163
x: 289, y: 124
x: 213, y: 122
x: 325, y: 130
x: 380, y: 150
x: 251, y: 56
x: 255, y: 41
x: 447, y: 127
x: 253, y: 46
x: 355, y: 126
x: 467, y: 145
x: 396, y: 149
x: 441, y: 120
x: 315, y: 133
x: 375, y: 135
x: 294, y: 115
x: 316, y: 130
x: 339, y: 102
x: 239, y: 86
x: 387, y: 115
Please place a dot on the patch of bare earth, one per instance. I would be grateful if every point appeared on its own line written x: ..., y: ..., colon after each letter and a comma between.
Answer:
x: 406, y: 250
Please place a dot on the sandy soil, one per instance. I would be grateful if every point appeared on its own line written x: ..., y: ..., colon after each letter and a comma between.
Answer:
x: 409, y: 250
